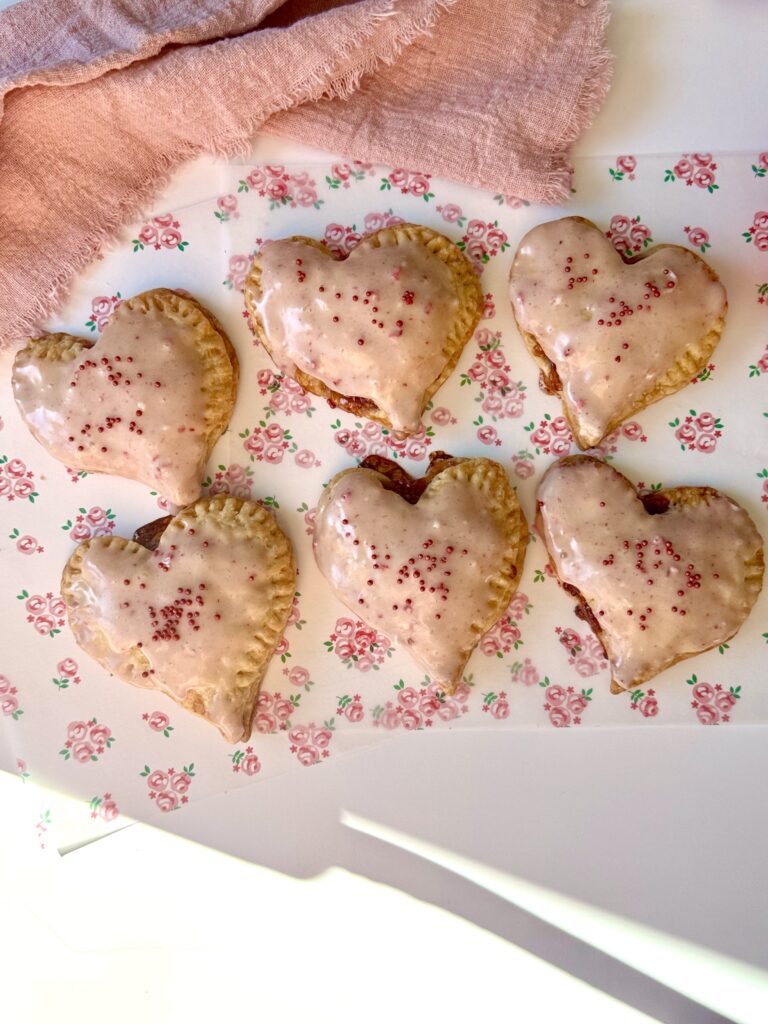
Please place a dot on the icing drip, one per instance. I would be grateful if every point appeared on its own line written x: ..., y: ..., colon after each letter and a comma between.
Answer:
x: 417, y: 572
x: 132, y: 405
x: 372, y: 326
x: 611, y: 329
x: 660, y: 586
x: 193, y: 605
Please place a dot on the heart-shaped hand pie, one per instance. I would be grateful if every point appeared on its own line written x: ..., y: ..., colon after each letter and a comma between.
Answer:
x: 147, y: 401
x: 433, y: 563
x: 659, y: 577
x: 612, y: 335
x: 194, y: 610
x: 376, y: 333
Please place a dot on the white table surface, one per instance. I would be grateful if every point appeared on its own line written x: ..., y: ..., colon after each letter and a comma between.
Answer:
x: 670, y: 832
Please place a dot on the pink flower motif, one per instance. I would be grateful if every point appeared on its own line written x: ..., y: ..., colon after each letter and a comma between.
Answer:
x: 724, y: 701
x: 299, y: 735
x: 67, y: 668
x: 416, y: 450
x: 305, y: 459
x: 489, y: 645
x: 298, y: 676
x: 274, y: 454
x: 354, y: 711
x: 649, y: 707
x: 683, y: 169
x: 35, y: 604
x: 560, y: 445
x: 632, y: 430
x: 685, y: 433
x: 250, y: 764
x: 523, y: 467
x: 560, y: 717
x: 763, y: 161
x: 477, y: 372
x: 83, y: 751
x: 555, y: 694
x: 264, y: 378
x: 411, y: 719
x: 227, y: 204
x: 476, y: 229
x: 167, y: 801
x: 157, y: 781
x: 585, y: 666
x: 707, y: 714
x: 528, y: 674
x: 627, y: 164
x: 500, y: 709
x: 277, y: 190
x: 305, y: 196
x: 257, y: 178
x: 163, y: 220
x: 763, y: 362
x: 322, y: 738
x: 99, y: 734
x: 8, y: 704
x: 158, y: 721
x: 365, y: 663
x: 101, y: 307
x: 345, y: 649
x: 487, y: 435
x: 698, y: 237
x: 704, y: 177
x: 27, y: 545
x: 760, y: 239
x: 108, y: 810
x: 703, y: 692
x: 495, y: 239
x: 344, y: 627
x: 408, y: 697
x: 418, y: 185
x: 308, y: 754
x: 476, y: 250
x: 274, y: 432
x: 148, y: 234
x: 170, y: 238
x: 283, y: 709
x: 620, y: 224
x: 56, y: 607
x: 180, y: 782
x: 44, y: 624
x: 450, y: 212
x: 96, y: 516
x: 265, y: 722
x: 577, y: 703
x: 334, y: 233
x: 541, y: 437
x: 706, y: 443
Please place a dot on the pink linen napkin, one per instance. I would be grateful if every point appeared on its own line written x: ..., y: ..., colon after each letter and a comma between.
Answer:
x: 102, y: 99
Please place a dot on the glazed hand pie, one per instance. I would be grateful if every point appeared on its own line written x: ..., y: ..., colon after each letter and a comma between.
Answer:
x: 376, y: 333
x: 193, y: 607
x: 659, y: 577
x: 433, y: 563
x: 612, y: 335
x: 147, y: 401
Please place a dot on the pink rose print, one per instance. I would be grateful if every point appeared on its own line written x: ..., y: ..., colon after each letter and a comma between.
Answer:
x: 481, y: 241
x: 625, y: 168
x: 245, y: 761
x: 761, y: 366
x: 299, y: 677
x: 513, y: 202
x: 286, y: 395
x: 628, y: 235
x: 9, y: 703
x: 161, y: 232
x: 496, y: 704
x: 451, y: 213
x: 226, y: 207
x: 158, y: 721
x: 698, y: 238
x: 409, y: 182
x: 87, y: 523
x: 420, y: 708
x: 585, y: 652
x: 357, y: 645
x: 268, y: 443
x: 713, y: 704
x: 44, y: 613
x: 168, y: 788
x: 522, y: 464
x: 26, y: 544
x: 238, y: 268
x: 273, y: 711
x: 505, y: 635
x: 16, y: 481
x: 86, y: 741
x: 694, y: 169
x: 342, y: 175
x: 350, y: 707
x: 234, y: 479
x: 564, y: 706
x: 551, y: 436
x: 442, y: 417
x: 760, y: 168
x: 104, y: 807
x: 273, y: 182
x: 373, y: 439
x: 525, y: 672
x: 500, y: 397
x: 102, y: 308
x: 757, y: 234
x: 310, y: 743
x: 698, y: 432
x: 645, y: 702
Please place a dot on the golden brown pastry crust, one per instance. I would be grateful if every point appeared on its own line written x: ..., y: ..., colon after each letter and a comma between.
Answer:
x: 466, y: 285
x: 237, y: 516
x: 692, y: 361
x: 492, y: 483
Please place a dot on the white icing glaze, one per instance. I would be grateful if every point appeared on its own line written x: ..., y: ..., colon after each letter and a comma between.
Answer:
x: 195, y: 605
x: 397, y: 300
x: 609, y: 334
x: 444, y: 550
x: 147, y: 427
x: 603, y: 542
